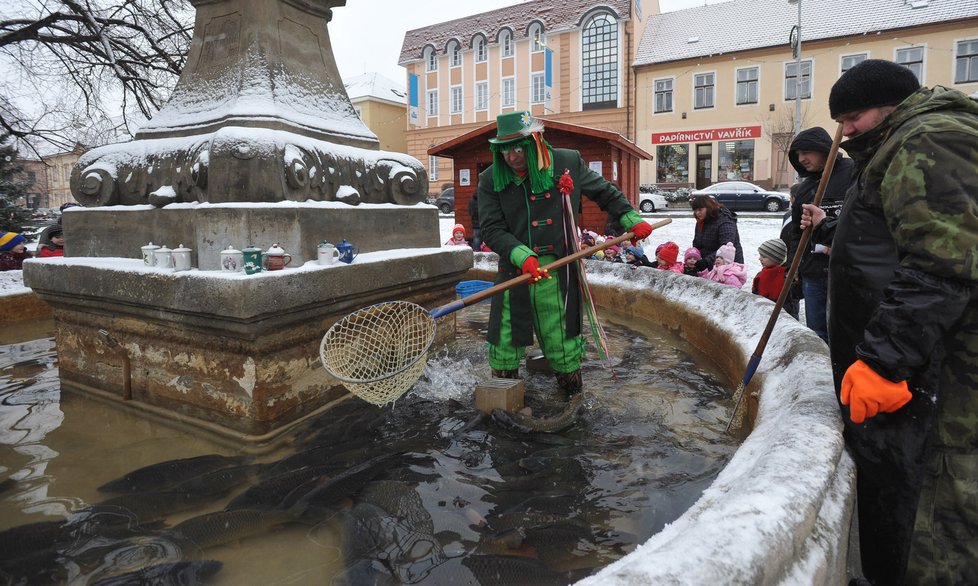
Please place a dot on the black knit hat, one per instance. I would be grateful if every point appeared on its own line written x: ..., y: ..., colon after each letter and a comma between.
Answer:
x: 871, y: 84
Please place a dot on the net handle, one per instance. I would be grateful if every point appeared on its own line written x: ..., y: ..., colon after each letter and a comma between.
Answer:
x: 525, y: 277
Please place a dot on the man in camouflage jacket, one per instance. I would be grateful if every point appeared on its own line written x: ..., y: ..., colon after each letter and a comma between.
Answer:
x: 903, y: 321
x: 521, y: 218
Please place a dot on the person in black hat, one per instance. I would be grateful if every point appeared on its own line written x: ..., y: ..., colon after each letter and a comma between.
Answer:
x: 52, y: 241
x: 903, y: 321
x: 521, y: 213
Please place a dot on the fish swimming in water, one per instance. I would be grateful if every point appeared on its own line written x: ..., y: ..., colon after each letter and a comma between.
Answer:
x: 181, y: 573
x: 221, y: 527
x: 163, y: 475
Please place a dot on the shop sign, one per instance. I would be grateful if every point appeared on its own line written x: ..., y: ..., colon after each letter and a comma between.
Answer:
x: 707, y: 135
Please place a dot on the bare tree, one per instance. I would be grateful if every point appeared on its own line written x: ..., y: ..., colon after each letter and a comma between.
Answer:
x: 71, y: 65
x: 780, y: 126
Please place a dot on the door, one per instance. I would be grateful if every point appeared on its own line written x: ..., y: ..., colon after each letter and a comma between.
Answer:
x: 704, y: 164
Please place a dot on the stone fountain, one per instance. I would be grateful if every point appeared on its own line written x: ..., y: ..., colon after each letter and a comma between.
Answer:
x: 259, y: 144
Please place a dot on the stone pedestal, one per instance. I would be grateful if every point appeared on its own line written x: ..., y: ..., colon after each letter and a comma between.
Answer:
x: 241, y: 351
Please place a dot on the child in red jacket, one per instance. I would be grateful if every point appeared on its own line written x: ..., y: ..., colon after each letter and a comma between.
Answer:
x: 770, y: 280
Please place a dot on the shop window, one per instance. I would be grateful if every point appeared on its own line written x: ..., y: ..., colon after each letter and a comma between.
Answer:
x: 673, y: 163
x: 703, y: 88
x: 663, y: 95
x: 966, y: 62
x: 913, y: 59
x: 736, y: 160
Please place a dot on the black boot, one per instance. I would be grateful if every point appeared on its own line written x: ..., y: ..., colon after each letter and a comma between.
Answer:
x: 570, y: 382
x: 514, y: 374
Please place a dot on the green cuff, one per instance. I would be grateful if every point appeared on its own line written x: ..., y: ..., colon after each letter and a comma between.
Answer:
x: 520, y: 254
x: 629, y: 219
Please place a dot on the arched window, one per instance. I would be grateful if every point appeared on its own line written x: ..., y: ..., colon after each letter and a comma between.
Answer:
x: 479, y: 46
x: 599, y: 60
x: 455, y: 54
x: 506, y: 43
x: 430, y: 59
x: 537, y: 38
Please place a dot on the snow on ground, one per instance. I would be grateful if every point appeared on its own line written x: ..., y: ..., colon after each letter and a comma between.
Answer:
x: 753, y: 231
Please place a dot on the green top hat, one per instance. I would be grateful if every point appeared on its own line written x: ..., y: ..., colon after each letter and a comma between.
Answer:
x: 513, y: 126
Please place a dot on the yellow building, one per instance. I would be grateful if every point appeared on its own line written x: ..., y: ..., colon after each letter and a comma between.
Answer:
x: 59, y: 168
x: 717, y: 84
x: 569, y: 62
x: 380, y: 103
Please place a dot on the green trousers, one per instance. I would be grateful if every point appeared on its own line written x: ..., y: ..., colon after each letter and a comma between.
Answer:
x: 563, y: 352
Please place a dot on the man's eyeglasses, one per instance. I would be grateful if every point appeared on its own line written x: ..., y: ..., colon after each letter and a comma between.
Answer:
x: 515, y: 149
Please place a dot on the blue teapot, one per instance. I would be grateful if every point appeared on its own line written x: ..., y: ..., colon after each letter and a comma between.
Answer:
x: 347, y: 251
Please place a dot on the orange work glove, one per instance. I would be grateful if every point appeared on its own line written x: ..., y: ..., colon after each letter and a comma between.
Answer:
x: 532, y: 265
x: 867, y: 393
x: 642, y: 230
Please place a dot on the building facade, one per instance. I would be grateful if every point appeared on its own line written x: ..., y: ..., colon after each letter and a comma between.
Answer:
x: 58, y: 178
x: 714, y: 106
x: 571, y: 64
x: 380, y: 102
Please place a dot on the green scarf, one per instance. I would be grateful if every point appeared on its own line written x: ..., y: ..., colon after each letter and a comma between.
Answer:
x: 541, y: 180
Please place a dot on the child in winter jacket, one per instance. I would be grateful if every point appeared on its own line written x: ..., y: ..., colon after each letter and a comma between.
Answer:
x: 693, y: 263
x: 53, y: 243
x: 635, y: 257
x: 458, y: 236
x: 667, y: 255
x: 770, y: 280
x: 13, y: 251
x: 725, y: 270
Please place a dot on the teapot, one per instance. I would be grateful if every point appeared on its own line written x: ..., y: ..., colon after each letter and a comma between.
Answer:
x: 251, y: 257
x: 327, y: 253
x: 149, y: 254
x: 232, y: 260
x: 163, y: 257
x: 347, y: 251
x: 181, y: 258
x: 276, y: 258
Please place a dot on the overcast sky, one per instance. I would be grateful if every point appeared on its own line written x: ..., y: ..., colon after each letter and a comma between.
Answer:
x: 358, y: 51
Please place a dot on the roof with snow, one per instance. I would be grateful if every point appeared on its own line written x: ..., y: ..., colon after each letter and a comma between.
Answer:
x: 554, y: 17
x: 375, y: 85
x: 742, y: 25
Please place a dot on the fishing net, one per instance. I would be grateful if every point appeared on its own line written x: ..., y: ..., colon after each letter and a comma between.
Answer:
x: 378, y: 352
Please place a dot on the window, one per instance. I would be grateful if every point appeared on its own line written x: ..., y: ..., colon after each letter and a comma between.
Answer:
x: 736, y: 160
x: 848, y: 61
x: 506, y: 40
x: 433, y: 103
x: 455, y: 51
x: 539, y: 39
x: 456, y: 100
x: 966, y: 62
x: 913, y: 59
x: 703, y: 90
x: 747, y: 85
x: 791, y: 78
x: 431, y: 60
x: 599, y: 60
x: 480, y: 50
x: 663, y: 95
x: 432, y: 168
x: 539, y: 92
x: 482, y: 95
x: 673, y: 163
x: 508, y: 92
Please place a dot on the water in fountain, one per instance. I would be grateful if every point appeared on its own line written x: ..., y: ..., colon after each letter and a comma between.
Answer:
x: 426, y: 491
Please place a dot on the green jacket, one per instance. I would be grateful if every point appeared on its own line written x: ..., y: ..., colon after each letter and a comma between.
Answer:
x: 517, y: 224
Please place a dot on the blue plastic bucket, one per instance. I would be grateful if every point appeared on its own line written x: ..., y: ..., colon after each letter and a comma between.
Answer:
x: 466, y: 288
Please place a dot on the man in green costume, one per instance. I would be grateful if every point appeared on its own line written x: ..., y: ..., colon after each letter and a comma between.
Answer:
x: 522, y: 219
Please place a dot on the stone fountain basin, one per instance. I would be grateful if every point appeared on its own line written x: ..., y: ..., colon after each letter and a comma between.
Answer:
x: 780, y: 511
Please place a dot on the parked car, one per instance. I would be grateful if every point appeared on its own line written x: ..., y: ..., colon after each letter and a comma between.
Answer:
x: 741, y: 195
x: 651, y: 202
x: 446, y: 201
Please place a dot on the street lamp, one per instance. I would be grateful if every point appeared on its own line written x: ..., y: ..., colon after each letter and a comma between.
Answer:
x: 795, y: 41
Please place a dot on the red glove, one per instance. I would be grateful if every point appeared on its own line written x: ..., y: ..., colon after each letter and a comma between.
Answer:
x: 642, y: 230
x: 870, y: 393
x: 532, y: 265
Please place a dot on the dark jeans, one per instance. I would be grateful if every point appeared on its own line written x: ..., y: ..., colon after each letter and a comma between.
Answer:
x: 816, y: 290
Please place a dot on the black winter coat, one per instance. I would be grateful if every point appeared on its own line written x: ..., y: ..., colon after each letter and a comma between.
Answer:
x: 815, y: 264
x: 715, y: 233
